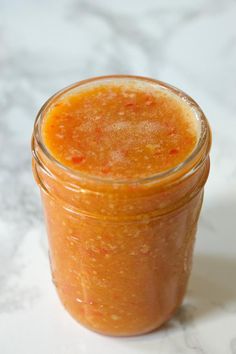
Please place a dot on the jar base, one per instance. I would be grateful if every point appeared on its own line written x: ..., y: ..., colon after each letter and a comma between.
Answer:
x: 152, y: 328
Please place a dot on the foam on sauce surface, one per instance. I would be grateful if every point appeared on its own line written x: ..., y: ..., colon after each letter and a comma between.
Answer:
x: 120, y: 130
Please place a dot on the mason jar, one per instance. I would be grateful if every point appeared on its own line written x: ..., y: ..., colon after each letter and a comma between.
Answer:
x: 121, y: 250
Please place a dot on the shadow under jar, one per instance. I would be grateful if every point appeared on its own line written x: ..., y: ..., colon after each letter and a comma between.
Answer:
x: 121, y: 248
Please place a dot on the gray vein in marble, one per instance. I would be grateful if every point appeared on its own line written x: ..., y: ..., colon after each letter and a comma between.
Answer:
x: 152, y: 45
x: 186, y: 317
x: 16, y: 299
x: 19, y: 206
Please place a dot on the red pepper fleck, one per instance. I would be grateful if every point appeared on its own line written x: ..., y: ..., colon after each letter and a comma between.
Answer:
x: 116, y: 297
x: 98, y: 131
x: 77, y: 159
x: 172, y: 131
x: 157, y: 152
x: 98, y: 134
x: 129, y: 104
x: 174, y: 151
x: 104, y: 251
x: 125, y: 153
x: 106, y: 169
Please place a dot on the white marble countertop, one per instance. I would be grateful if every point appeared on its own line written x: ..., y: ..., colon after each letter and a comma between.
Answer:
x: 44, y: 46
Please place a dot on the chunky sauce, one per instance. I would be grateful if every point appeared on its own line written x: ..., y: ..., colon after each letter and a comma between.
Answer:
x: 120, y: 131
x: 120, y: 252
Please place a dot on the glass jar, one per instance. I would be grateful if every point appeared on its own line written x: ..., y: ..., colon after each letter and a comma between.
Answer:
x: 121, y: 250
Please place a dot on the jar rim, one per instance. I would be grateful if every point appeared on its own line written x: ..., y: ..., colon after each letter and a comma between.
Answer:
x: 184, y: 168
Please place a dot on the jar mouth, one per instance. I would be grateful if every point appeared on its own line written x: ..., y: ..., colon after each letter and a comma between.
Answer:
x: 185, y: 168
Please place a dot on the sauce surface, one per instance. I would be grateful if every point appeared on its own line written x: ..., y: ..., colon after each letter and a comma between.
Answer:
x: 120, y: 131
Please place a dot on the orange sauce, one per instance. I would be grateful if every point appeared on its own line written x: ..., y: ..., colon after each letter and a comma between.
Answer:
x: 120, y: 131
x: 120, y: 251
